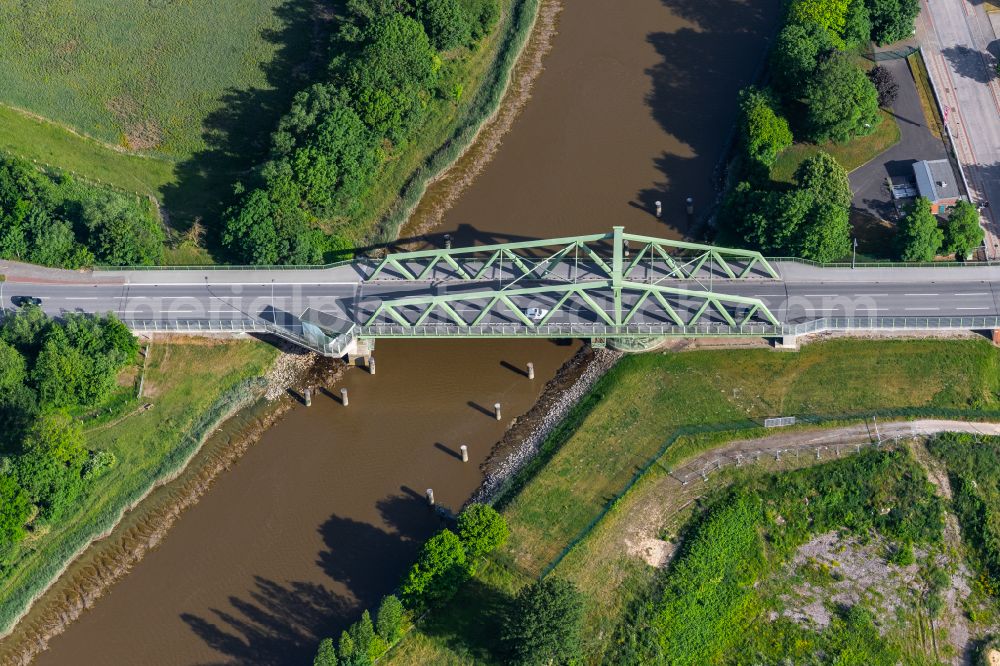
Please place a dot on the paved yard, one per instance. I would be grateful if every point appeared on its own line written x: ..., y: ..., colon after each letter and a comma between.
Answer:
x: 916, y: 142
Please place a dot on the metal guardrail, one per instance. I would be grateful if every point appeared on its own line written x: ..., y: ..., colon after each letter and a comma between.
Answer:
x: 583, y: 330
x: 885, y: 264
x: 233, y: 267
x: 294, y: 332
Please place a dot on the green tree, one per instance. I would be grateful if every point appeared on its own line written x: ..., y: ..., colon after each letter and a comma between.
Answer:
x: 841, y: 103
x: 544, y: 623
x: 438, y: 572
x: 25, y: 329
x: 446, y: 23
x: 326, y: 654
x: 122, y: 231
x: 798, y: 51
x: 363, y: 635
x: 892, y: 20
x: 826, y: 234
x: 15, y: 507
x: 13, y: 371
x: 60, y: 373
x: 963, y: 233
x: 828, y: 14
x: 392, y: 76
x: 483, y: 15
x: 389, y: 620
x: 249, y: 232
x: 825, y: 179
x: 919, y: 238
x: 49, y: 470
x: 482, y: 530
x: 764, y: 132
x: 858, y: 27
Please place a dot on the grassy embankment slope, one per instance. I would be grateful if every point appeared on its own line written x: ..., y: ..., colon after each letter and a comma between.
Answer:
x: 191, y: 386
x: 633, y: 412
x: 212, y: 92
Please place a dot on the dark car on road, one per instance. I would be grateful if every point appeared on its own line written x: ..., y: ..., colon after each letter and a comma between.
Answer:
x: 21, y: 301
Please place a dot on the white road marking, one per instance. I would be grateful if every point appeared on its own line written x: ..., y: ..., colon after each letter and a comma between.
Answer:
x: 77, y: 298
x: 978, y: 293
x: 982, y: 308
x: 920, y: 309
x: 920, y: 294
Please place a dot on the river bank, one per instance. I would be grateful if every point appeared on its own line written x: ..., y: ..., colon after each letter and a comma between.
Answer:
x: 317, y: 519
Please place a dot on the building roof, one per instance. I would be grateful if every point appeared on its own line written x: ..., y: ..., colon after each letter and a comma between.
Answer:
x: 935, y: 180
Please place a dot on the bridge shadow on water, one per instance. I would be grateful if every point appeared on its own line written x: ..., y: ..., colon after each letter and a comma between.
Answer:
x: 281, y: 623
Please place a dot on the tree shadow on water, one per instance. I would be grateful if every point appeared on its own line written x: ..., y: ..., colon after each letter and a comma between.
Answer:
x: 694, y: 91
x: 237, y: 135
x: 279, y: 623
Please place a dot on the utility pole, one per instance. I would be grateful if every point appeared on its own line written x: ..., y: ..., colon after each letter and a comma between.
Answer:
x: 274, y: 316
x: 877, y: 434
x: 854, y: 257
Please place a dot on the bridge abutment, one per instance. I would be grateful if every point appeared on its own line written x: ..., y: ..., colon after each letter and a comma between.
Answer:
x: 787, y: 342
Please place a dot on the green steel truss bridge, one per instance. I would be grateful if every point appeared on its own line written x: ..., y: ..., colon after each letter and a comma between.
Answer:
x: 602, y: 286
x: 616, y: 288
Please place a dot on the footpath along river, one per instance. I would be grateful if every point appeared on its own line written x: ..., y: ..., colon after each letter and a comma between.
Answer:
x: 321, y: 516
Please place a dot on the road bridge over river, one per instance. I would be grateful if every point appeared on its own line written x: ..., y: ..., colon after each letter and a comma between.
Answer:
x: 618, y: 287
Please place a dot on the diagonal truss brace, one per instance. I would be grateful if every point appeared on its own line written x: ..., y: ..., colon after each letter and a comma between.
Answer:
x: 683, y: 260
x: 617, y: 315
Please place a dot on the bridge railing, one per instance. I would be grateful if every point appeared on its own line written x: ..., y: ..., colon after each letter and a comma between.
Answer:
x: 884, y: 264
x: 335, y: 346
x: 586, y: 330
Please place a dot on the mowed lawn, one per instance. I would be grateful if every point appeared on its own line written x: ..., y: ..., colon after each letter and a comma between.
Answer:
x: 184, y: 383
x: 849, y: 155
x: 633, y: 411
x: 146, y: 74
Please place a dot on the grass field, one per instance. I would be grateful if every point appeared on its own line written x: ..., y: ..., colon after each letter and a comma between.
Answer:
x: 190, y: 386
x: 635, y: 408
x: 148, y: 76
x: 849, y: 155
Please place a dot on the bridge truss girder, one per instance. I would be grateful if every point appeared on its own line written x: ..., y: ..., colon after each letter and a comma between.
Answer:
x: 542, y: 259
x: 625, y: 302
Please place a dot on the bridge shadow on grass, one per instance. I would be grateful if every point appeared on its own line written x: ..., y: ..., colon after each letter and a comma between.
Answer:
x: 237, y: 135
x: 276, y: 623
x: 694, y: 94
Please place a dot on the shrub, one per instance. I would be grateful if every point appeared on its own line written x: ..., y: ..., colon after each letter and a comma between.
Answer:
x: 438, y: 572
x: 919, y: 238
x: 963, y: 234
x: 544, y: 622
x: 389, y: 620
x: 885, y: 84
x: 15, y: 507
x: 482, y: 530
x: 764, y: 132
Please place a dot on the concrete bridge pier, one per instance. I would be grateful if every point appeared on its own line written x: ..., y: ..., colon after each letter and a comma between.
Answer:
x: 787, y: 342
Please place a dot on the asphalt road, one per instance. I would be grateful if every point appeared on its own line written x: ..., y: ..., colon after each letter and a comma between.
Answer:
x: 804, y: 293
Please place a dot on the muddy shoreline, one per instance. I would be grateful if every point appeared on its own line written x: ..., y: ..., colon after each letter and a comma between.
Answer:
x: 110, y: 556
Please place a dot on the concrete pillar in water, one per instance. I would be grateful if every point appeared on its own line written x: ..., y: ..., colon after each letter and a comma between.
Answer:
x: 531, y: 370
x: 343, y: 397
x: 309, y: 397
x: 689, y: 205
x: 430, y: 497
x: 371, y: 365
x: 496, y: 410
x: 465, y: 453
x: 659, y: 208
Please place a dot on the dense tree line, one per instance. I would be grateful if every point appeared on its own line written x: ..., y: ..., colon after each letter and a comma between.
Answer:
x: 817, y: 92
x: 56, y: 221
x: 49, y: 370
x: 329, y: 149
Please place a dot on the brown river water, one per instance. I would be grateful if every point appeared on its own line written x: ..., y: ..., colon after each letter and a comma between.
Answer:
x: 321, y: 516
